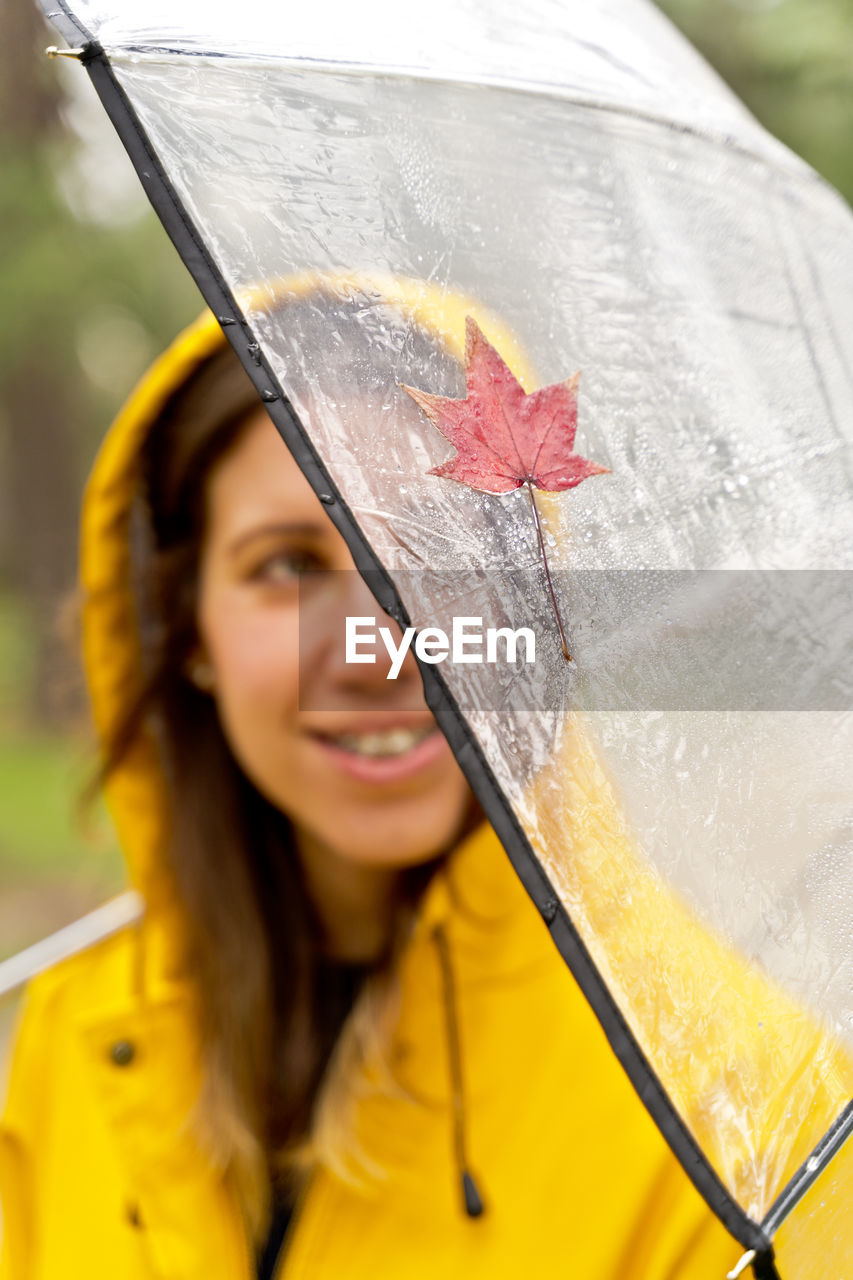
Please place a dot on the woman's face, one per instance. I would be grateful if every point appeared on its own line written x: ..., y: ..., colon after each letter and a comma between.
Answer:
x: 355, y: 760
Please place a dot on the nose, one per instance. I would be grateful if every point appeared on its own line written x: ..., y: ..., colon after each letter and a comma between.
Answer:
x: 329, y: 678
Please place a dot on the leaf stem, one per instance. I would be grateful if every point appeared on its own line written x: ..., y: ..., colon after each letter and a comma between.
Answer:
x: 566, y: 653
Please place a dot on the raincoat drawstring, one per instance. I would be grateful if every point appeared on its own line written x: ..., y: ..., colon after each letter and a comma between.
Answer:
x: 764, y: 1265
x: 473, y: 1201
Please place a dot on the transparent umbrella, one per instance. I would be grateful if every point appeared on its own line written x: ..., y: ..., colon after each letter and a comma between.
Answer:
x: 575, y: 185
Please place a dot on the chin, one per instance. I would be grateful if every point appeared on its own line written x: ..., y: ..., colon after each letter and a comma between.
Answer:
x: 391, y: 851
x: 383, y: 838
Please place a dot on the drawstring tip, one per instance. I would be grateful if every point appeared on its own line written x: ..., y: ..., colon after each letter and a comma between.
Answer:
x: 474, y: 1206
x: 763, y: 1265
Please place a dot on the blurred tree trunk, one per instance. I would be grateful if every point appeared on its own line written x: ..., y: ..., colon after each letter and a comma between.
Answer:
x: 37, y: 408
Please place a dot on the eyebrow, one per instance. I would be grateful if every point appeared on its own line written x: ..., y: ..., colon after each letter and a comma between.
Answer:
x: 276, y: 529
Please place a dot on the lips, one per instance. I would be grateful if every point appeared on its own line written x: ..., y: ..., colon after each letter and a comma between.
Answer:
x: 382, y: 755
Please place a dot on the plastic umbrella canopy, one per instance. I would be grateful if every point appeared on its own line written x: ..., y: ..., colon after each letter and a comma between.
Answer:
x: 348, y: 185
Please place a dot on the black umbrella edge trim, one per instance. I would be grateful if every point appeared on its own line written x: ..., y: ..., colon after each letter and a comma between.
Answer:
x: 440, y: 700
x: 67, y: 24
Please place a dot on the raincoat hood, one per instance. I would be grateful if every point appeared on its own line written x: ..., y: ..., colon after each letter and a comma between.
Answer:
x: 110, y: 629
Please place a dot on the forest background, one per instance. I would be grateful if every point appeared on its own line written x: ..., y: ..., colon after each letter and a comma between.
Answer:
x: 92, y: 290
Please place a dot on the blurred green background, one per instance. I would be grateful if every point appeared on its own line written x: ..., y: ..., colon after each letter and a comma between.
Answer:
x: 92, y: 290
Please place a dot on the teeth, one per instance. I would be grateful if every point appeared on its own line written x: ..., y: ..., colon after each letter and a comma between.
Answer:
x: 391, y: 742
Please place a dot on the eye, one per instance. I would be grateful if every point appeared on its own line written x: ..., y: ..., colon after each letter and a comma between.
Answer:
x: 284, y: 566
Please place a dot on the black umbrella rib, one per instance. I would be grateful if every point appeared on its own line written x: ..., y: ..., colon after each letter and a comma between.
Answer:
x: 809, y: 1171
x: 207, y: 275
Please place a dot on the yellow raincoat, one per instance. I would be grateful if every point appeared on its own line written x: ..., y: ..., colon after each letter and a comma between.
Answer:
x: 100, y: 1172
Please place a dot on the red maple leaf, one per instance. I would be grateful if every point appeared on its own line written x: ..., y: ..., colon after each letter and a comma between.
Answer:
x: 505, y: 437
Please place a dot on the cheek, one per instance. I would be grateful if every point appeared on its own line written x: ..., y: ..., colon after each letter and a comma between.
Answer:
x: 254, y: 653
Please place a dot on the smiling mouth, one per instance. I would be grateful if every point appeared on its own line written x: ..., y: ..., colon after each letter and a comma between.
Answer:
x: 382, y: 744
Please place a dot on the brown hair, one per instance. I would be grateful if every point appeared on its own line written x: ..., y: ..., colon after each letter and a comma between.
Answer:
x: 270, y: 1009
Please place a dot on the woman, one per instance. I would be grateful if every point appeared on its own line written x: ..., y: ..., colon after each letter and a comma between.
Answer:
x: 340, y: 1043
